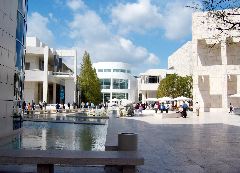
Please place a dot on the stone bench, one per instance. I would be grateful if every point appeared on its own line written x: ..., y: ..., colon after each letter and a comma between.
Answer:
x: 45, y: 159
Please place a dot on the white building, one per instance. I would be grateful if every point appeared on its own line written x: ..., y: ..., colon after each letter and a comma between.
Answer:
x: 116, y: 81
x: 50, y: 75
x: 13, y: 16
x: 149, y: 81
x: 181, y: 61
x: 216, y: 75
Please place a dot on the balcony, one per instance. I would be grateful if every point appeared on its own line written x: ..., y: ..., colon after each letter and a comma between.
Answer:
x: 34, y: 75
x: 148, y: 86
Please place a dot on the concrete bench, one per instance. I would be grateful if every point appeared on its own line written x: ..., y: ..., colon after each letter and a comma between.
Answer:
x: 45, y: 159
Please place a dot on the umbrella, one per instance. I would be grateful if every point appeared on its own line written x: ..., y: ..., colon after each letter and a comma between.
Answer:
x: 182, y: 98
x: 151, y: 99
x: 165, y: 99
x: 115, y: 100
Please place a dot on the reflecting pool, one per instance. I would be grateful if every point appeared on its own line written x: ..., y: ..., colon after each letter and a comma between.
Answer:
x: 59, y: 136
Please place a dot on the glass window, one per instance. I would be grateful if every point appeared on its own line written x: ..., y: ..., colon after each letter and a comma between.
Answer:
x: 105, y: 83
x: 120, y: 95
x: 120, y: 84
x: 153, y: 79
x: 128, y: 71
x: 100, y: 70
x: 119, y: 70
x: 27, y: 66
x: 19, y: 56
x: 107, y: 70
x: 105, y: 97
x: 20, y: 28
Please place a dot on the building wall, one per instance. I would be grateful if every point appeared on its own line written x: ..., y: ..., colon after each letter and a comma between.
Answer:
x: 36, y: 50
x: 149, y: 90
x: 12, y: 43
x: 181, y: 61
x: 216, y: 64
x: 132, y: 81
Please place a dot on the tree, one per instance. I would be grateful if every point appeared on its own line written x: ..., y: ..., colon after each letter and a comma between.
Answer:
x: 89, y: 82
x: 175, y: 86
x: 222, y: 12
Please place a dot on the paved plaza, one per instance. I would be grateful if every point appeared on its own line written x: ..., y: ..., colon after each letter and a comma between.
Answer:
x: 208, y: 143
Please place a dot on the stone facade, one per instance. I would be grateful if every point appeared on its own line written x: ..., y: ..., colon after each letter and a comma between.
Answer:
x: 181, y: 61
x: 216, y: 56
x: 13, y: 28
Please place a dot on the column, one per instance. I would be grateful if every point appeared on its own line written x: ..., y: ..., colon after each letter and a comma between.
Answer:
x: 54, y: 92
x: 238, y: 84
x: 224, y: 75
x: 75, y: 76
x: 45, y: 82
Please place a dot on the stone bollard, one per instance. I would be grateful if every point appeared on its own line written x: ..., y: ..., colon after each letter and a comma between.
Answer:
x: 127, y: 142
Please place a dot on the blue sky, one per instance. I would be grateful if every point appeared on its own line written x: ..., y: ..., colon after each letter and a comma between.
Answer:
x: 143, y: 33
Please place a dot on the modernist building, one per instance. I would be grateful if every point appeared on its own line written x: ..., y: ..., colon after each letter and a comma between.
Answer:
x: 216, y: 58
x: 149, y: 81
x: 116, y: 81
x: 50, y: 75
x: 181, y: 61
x: 13, y: 26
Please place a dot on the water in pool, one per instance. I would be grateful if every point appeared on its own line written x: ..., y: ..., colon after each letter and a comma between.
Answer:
x: 59, y: 136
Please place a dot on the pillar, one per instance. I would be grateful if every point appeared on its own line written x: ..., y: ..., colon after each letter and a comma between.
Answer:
x: 54, y: 92
x: 224, y: 76
x: 45, y: 82
x: 75, y: 76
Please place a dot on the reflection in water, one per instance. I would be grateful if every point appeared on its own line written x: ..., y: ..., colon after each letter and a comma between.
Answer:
x: 60, y: 136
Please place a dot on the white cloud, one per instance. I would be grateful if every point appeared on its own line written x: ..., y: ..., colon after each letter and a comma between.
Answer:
x: 177, y: 20
x: 38, y: 26
x: 75, y: 4
x: 137, y: 17
x: 145, y: 16
x: 96, y: 38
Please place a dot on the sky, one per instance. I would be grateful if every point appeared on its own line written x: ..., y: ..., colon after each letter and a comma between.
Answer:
x: 142, y: 33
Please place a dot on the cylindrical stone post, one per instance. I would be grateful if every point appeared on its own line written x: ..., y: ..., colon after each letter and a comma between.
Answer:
x: 127, y: 142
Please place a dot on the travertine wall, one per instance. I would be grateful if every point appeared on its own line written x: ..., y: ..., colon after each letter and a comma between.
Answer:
x: 216, y: 58
x: 181, y: 61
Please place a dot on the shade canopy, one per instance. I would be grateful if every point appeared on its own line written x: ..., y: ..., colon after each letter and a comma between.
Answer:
x: 152, y: 99
x: 165, y: 99
x: 182, y: 98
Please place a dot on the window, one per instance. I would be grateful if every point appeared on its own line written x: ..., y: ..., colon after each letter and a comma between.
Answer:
x: 100, y: 70
x: 27, y: 66
x: 120, y: 84
x: 120, y: 95
x: 105, y: 83
x: 105, y: 97
x: 107, y: 70
x: 153, y: 79
x: 119, y: 70
x: 128, y: 71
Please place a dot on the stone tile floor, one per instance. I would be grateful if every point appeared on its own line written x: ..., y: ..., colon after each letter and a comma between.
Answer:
x: 208, y: 143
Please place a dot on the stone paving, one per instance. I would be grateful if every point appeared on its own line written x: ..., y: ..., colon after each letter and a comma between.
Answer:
x: 209, y: 143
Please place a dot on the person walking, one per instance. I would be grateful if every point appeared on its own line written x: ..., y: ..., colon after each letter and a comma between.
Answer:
x: 231, y: 108
x: 156, y: 107
x: 184, y: 107
x: 197, y: 107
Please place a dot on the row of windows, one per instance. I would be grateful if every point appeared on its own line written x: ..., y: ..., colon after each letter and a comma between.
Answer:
x: 117, y: 83
x: 114, y: 70
x: 106, y: 96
